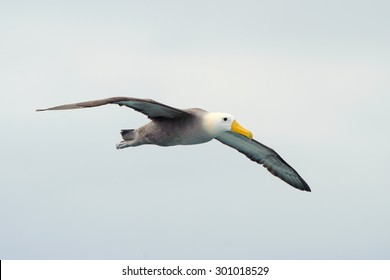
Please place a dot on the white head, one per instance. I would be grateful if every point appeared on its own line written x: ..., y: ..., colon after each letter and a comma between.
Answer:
x: 217, y: 123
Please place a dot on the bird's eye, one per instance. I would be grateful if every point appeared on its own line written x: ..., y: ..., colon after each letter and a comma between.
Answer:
x: 225, y: 119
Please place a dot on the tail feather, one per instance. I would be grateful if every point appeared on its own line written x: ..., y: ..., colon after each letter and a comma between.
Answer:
x: 128, y: 134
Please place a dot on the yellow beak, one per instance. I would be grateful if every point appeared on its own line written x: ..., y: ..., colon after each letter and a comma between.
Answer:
x: 236, y: 127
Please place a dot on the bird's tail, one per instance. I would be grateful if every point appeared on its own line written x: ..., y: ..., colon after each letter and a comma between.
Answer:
x: 128, y: 134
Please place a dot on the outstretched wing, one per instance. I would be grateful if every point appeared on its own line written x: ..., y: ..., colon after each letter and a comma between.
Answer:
x: 148, y: 107
x: 265, y: 156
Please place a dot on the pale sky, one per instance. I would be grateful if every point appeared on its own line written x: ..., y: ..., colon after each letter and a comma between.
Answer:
x: 309, y: 78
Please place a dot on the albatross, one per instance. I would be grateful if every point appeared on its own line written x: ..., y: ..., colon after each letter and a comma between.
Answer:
x: 170, y: 126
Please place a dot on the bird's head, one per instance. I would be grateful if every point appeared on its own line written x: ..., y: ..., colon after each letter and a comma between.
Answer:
x: 217, y: 123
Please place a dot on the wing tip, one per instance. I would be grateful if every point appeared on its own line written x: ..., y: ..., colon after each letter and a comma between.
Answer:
x: 303, y: 187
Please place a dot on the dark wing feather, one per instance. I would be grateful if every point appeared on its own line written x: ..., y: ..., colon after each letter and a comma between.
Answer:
x: 148, y: 107
x: 265, y: 156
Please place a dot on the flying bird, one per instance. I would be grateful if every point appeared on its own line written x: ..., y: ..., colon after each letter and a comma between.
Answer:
x: 171, y: 126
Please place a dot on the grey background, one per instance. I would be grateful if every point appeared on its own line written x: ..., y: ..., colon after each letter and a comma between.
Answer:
x: 309, y: 79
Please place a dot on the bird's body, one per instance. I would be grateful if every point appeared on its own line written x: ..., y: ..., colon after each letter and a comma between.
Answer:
x: 171, y: 126
x: 169, y: 131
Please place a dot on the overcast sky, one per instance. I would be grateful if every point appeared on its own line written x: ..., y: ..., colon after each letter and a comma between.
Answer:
x: 309, y: 78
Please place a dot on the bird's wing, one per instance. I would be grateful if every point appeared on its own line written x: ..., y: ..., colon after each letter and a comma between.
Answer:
x: 265, y: 156
x: 148, y: 107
